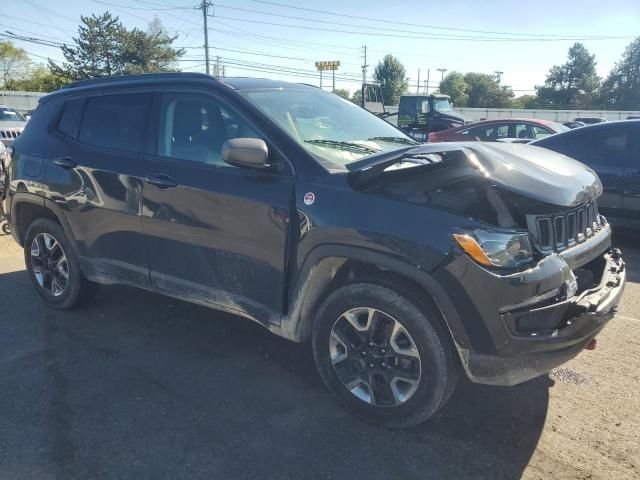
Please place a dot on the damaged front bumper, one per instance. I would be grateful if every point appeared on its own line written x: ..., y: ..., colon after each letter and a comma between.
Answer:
x: 535, y: 320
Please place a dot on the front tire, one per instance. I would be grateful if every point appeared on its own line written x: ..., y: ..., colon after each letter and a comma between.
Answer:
x: 388, y: 360
x: 53, y: 266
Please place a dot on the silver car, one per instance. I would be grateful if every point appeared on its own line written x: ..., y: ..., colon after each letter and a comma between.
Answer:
x: 11, y: 125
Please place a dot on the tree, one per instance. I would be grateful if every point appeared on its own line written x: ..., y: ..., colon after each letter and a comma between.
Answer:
x: 150, y: 50
x: 485, y: 92
x: 104, y: 47
x: 525, y: 101
x: 14, y: 63
x: 97, y: 52
x: 455, y: 86
x: 342, y: 92
x: 392, y: 77
x: 40, y: 79
x: 622, y: 87
x: 357, y: 97
x: 575, y: 83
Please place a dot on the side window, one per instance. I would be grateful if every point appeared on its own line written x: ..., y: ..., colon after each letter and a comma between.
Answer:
x: 116, y: 121
x: 540, y: 132
x: 523, y: 131
x: 607, y: 146
x: 70, y: 118
x: 195, y: 127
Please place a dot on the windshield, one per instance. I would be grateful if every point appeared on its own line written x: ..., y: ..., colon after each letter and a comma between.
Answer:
x: 10, y: 115
x: 335, y: 131
x: 441, y: 105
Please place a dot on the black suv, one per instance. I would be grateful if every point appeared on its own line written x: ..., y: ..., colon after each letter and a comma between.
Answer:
x: 403, y: 264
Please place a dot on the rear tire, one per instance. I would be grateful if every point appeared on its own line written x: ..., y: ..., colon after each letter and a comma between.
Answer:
x: 387, y: 359
x: 53, y: 266
x: 6, y: 229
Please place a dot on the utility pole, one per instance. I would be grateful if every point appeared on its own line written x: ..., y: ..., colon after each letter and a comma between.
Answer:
x: 364, y: 66
x: 418, y: 88
x: 333, y: 72
x: 428, y: 77
x: 204, y: 6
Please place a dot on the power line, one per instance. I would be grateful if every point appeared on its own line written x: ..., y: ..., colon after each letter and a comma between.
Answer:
x: 426, y: 37
x: 435, y: 27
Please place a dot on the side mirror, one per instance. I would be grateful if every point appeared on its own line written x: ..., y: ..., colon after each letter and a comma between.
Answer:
x: 246, y: 152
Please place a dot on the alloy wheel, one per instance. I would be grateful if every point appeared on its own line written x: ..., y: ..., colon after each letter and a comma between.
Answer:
x: 375, y: 357
x: 49, y: 264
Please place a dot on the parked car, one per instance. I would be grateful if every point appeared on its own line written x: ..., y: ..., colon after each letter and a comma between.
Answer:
x: 590, y: 120
x: 419, y: 115
x: 612, y: 149
x: 11, y: 124
x: 573, y: 124
x: 508, y: 130
x: 404, y: 264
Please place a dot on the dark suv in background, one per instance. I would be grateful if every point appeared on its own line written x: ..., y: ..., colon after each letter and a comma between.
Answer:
x: 612, y: 149
x: 404, y: 264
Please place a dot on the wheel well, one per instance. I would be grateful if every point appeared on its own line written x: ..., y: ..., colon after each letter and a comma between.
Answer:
x: 26, y: 213
x: 335, y: 272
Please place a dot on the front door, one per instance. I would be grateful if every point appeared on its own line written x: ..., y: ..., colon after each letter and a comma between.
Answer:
x: 215, y: 233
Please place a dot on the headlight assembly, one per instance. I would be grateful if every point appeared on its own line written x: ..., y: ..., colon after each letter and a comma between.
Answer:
x: 496, y: 249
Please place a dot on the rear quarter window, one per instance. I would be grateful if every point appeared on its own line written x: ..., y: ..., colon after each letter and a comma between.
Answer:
x: 70, y: 118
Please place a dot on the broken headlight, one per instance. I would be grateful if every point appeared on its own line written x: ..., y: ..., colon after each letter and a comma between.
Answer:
x: 496, y: 249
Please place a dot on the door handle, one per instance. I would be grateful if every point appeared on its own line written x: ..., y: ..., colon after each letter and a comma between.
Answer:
x: 161, y: 181
x: 65, y: 162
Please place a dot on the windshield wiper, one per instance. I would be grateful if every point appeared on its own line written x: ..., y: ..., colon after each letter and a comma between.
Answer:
x: 402, y: 140
x: 340, y: 145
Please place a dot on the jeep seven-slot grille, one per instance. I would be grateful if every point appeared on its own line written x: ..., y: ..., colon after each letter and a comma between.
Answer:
x: 9, y: 133
x: 556, y: 232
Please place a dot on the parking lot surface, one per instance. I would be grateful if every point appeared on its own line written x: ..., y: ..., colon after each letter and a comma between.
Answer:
x: 140, y: 386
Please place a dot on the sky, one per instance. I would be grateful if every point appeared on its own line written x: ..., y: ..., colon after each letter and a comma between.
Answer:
x: 270, y: 39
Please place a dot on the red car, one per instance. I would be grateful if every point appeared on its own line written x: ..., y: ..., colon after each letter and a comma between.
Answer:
x: 511, y: 130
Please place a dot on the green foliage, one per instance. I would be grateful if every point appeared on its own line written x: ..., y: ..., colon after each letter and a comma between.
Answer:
x: 525, y: 101
x: 342, y: 92
x: 392, y: 77
x: 104, y: 47
x: 455, y: 86
x: 14, y: 63
x: 621, y: 89
x: 357, y: 97
x: 574, y: 83
x: 485, y: 92
x: 40, y: 79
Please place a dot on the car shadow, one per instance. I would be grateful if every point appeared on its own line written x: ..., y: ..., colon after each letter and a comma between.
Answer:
x: 136, y: 385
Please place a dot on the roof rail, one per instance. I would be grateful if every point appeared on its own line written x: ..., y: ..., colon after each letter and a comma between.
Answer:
x: 140, y: 76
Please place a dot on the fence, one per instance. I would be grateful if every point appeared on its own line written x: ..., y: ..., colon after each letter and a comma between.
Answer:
x: 21, y: 101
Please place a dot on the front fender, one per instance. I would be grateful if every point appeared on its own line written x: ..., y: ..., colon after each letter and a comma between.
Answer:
x: 320, y: 268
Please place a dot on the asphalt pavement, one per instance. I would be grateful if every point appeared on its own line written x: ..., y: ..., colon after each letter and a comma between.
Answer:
x: 139, y: 386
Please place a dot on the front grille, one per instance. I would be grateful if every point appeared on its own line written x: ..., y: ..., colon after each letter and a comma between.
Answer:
x: 559, y: 231
x: 9, y: 133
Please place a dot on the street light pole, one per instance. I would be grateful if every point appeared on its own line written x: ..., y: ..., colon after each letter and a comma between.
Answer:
x: 442, y: 70
x: 499, y: 75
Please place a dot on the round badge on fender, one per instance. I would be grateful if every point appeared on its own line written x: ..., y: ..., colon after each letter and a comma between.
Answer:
x: 309, y: 198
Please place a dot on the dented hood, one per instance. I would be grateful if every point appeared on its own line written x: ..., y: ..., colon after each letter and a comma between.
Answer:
x: 535, y: 172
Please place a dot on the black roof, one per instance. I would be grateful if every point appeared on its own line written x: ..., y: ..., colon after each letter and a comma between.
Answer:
x: 236, y: 83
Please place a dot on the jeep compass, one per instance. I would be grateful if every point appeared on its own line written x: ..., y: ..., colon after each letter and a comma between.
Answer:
x: 404, y: 265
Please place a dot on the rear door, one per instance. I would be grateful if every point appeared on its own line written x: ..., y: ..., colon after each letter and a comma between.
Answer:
x: 215, y: 233
x: 94, y: 177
